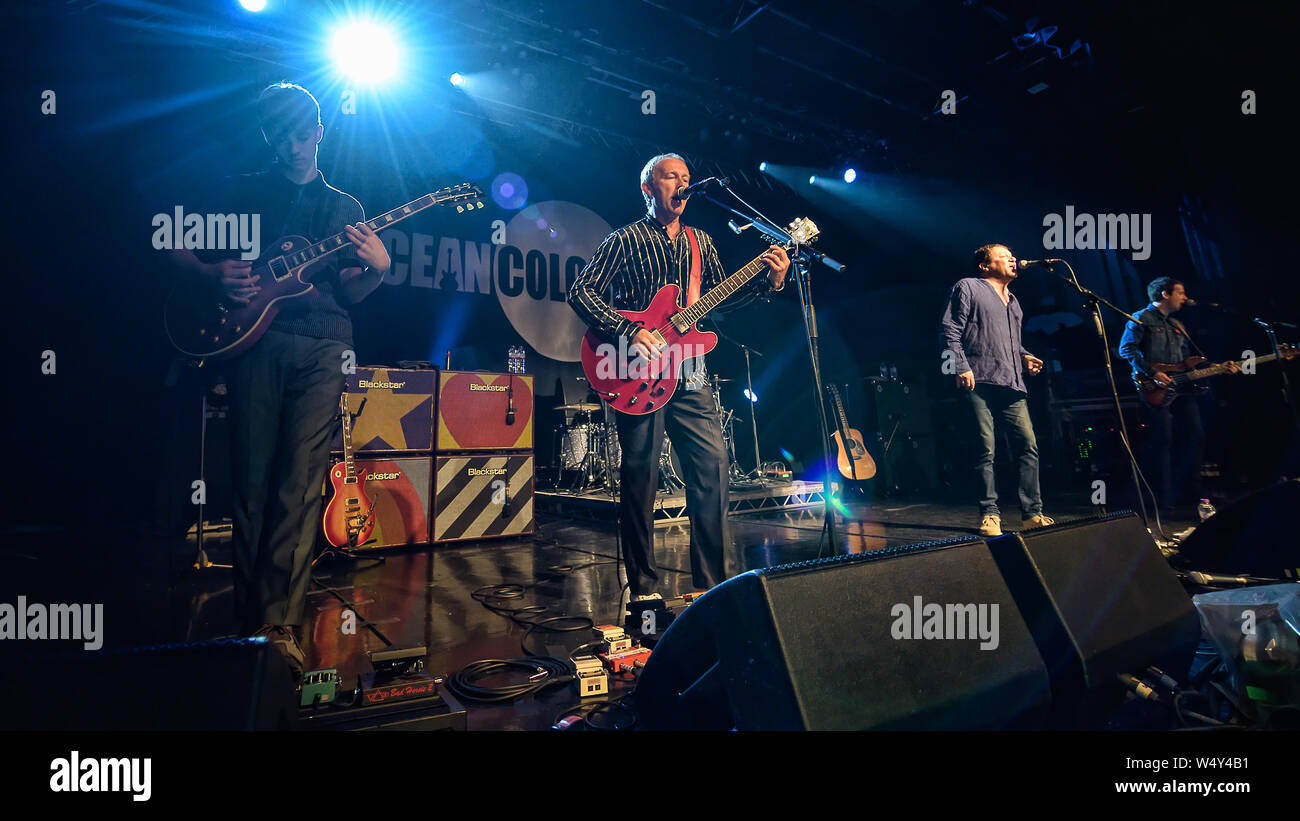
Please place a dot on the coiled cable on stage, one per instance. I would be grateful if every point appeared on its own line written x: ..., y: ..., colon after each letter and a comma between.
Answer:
x: 542, y: 672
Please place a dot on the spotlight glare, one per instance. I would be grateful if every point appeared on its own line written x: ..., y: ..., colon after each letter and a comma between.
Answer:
x: 762, y: 166
x: 456, y: 79
x: 752, y: 397
x: 812, y: 180
x: 364, y: 51
x: 850, y: 175
x: 253, y: 5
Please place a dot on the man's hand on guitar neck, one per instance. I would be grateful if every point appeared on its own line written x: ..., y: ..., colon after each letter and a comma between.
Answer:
x: 1162, y: 379
x: 778, y: 263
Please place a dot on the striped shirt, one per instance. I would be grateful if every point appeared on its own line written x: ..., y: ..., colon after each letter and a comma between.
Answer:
x: 638, y: 260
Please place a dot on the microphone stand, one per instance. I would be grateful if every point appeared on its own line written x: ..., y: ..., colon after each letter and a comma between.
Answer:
x: 757, y: 472
x: 1094, y: 302
x: 799, y: 264
x: 1281, y: 367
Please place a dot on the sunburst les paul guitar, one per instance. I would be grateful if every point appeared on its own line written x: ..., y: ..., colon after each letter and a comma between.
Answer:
x: 1185, y: 374
x: 200, y: 322
x: 630, y: 384
x: 349, y: 518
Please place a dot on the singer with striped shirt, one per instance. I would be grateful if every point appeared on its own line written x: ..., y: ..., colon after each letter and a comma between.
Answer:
x: 628, y: 269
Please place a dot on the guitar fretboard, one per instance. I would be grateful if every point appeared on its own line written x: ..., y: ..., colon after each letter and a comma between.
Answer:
x: 340, y: 240
x: 1217, y: 369
x: 715, y: 297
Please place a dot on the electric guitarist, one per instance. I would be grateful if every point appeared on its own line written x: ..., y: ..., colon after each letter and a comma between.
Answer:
x: 627, y: 271
x: 285, y: 389
x: 1171, y: 457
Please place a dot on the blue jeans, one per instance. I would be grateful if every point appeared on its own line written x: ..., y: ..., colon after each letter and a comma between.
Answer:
x: 994, y: 402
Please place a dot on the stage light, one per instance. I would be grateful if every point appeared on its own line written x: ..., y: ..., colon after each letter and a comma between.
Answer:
x: 850, y: 175
x: 752, y: 397
x: 456, y: 79
x: 253, y: 5
x: 812, y: 180
x: 364, y: 51
x: 762, y: 166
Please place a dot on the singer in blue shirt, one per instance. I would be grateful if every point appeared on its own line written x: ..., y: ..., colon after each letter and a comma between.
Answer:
x: 980, y: 333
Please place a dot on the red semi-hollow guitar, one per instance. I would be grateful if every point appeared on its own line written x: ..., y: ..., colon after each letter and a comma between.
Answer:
x: 630, y: 384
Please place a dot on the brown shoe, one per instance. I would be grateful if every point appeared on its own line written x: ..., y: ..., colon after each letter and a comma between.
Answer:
x: 1037, y: 521
x: 991, y: 525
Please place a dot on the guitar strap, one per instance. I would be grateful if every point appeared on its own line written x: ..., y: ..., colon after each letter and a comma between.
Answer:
x: 693, y: 290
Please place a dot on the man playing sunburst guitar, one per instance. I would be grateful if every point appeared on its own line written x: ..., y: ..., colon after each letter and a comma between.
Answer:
x: 635, y: 262
x: 284, y: 391
x: 1171, y: 456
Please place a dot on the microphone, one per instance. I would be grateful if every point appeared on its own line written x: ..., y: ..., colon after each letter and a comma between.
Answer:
x: 686, y: 190
x: 736, y: 229
x: 1035, y: 263
x: 510, y: 401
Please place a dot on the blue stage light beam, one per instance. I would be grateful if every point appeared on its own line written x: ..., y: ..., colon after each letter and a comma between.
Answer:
x: 850, y: 175
x: 365, y: 51
x: 253, y: 5
x: 457, y: 79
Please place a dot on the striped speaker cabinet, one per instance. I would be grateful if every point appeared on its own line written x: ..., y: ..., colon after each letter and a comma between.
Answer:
x: 484, y: 411
x: 399, y: 490
x: 482, y: 496
x: 393, y: 411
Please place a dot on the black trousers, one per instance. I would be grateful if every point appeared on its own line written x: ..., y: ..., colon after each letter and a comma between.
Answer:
x: 1171, y: 456
x: 692, y: 424
x: 284, y: 400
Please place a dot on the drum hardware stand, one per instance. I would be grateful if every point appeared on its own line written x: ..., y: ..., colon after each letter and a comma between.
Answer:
x: 757, y: 473
x: 201, y: 560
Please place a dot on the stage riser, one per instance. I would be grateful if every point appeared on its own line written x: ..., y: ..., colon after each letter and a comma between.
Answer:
x: 671, y: 508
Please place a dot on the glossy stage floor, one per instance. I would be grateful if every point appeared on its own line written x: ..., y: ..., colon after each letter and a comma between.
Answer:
x: 567, y: 568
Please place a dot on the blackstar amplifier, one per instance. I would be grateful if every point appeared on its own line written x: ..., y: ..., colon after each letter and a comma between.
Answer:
x: 398, y: 489
x: 483, y: 496
x: 484, y: 411
x: 397, y: 414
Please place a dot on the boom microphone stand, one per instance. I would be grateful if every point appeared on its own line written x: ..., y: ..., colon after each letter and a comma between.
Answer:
x: 800, y: 261
x: 1094, y: 304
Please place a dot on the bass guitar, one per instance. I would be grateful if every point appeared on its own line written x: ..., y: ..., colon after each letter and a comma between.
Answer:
x: 1185, y: 374
x: 630, y: 384
x: 202, y: 323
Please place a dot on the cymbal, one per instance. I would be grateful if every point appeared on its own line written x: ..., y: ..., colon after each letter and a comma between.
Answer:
x: 580, y: 407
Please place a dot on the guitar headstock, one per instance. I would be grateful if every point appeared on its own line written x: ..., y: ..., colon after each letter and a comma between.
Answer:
x: 803, y: 230
x: 465, y: 196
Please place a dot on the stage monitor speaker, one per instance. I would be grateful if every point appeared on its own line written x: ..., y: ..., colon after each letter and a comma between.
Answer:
x: 1256, y: 535
x: 393, y: 411
x: 399, y: 490
x: 1099, y: 600
x: 484, y: 411
x: 483, y: 496
x: 883, y: 640
x: 225, y: 684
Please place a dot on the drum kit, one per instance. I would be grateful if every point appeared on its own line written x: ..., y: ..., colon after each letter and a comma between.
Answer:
x: 589, y: 455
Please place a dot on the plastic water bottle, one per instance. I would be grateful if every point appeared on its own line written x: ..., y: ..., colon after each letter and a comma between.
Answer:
x: 1205, y: 510
x: 884, y: 371
x: 515, y: 357
x: 893, y: 373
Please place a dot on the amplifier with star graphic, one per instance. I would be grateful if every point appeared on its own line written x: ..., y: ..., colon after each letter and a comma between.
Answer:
x: 479, y: 411
x: 392, y: 411
x: 481, y: 496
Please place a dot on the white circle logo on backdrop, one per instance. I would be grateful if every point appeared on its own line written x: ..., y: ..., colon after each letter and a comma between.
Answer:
x: 546, y: 243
